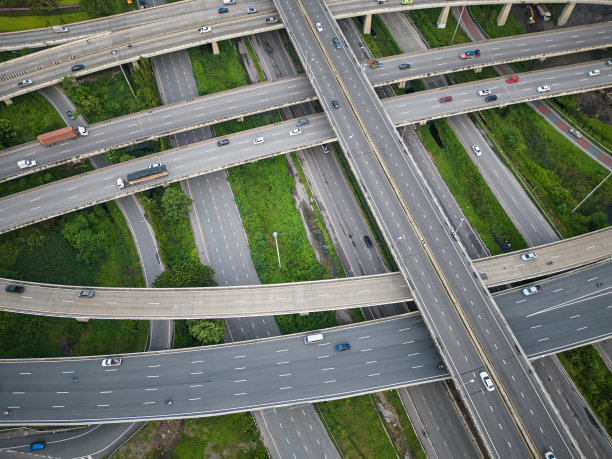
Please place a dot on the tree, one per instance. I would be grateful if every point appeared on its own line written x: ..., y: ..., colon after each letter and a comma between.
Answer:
x: 207, y: 331
x: 188, y: 273
x: 175, y: 204
x: 8, y: 134
x: 98, y: 8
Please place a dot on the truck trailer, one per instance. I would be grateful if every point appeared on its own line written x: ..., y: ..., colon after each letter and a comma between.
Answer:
x: 61, y: 134
x: 155, y: 171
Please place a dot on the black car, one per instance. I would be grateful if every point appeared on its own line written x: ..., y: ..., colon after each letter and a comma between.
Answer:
x: 222, y: 142
x: 12, y: 288
x: 70, y: 115
x: 368, y: 241
x: 491, y: 98
x: 77, y: 67
x: 404, y: 66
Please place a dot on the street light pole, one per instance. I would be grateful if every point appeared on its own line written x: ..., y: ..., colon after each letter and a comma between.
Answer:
x: 275, y: 234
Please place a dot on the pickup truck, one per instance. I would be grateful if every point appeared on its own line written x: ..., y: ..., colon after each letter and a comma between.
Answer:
x: 25, y: 163
x: 531, y: 290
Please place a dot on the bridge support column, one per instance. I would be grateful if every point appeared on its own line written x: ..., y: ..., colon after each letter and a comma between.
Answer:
x: 565, y: 14
x: 443, y: 17
x: 8, y: 101
x: 135, y: 64
x: 478, y: 70
x: 367, y: 24
x: 82, y: 320
x: 503, y: 14
x: 215, y: 47
x: 401, y: 84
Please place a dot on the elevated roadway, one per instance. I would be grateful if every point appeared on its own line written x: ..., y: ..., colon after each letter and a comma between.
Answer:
x: 303, y: 297
x: 50, y: 66
x: 284, y: 371
x: 205, y: 10
x: 206, y: 110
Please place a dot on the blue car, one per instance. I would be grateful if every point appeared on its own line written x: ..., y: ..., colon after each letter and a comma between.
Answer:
x: 37, y: 446
x: 342, y: 347
x: 223, y: 10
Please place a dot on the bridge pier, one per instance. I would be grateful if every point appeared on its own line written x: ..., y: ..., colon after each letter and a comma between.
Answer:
x: 81, y: 319
x: 215, y: 48
x: 478, y: 70
x: 443, y: 17
x: 135, y: 64
x: 503, y: 14
x: 367, y: 24
x: 401, y: 84
x: 565, y: 14
x: 8, y: 101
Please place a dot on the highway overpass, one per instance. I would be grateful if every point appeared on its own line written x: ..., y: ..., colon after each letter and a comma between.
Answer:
x: 50, y: 66
x: 284, y: 371
x: 74, y: 193
x: 302, y: 297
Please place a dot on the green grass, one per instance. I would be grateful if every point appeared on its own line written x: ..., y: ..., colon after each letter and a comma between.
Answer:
x: 558, y: 172
x: 24, y: 20
x: 486, y: 18
x: 471, y: 192
x: 426, y: 21
x: 601, y: 132
x: 380, y: 41
x: 593, y: 379
x: 355, y: 426
x: 175, y: 238
x: 414, y: 448
x: 29, y: 116
x: 217, y: 72
x: 247, y: 41
x: 234, y: 435
x: 248, y: 122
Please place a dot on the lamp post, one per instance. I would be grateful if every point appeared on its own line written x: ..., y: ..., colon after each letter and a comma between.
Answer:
x: 275, y: 234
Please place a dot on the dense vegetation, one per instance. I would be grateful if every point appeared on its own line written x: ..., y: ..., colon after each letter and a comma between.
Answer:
x: 486, y: 17
x: 380, y: 41
x: 217, y: 72
x: 471, y: 192
x: 426, y: 20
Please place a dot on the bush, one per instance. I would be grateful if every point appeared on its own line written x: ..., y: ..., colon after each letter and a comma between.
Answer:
x: 187, y: 273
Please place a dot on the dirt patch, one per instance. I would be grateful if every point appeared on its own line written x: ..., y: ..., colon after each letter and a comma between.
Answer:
x: 392, y: 424
x: 156, y: 440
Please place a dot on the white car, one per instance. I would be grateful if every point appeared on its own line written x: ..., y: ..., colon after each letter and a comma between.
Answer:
x: 205, y: 29
x: 531, y: 290
x: 258, y: 140
x: 528, y: 256
x: 111, y: 362
x: 544, y: 88
x: 251, y: 10
x: 25, y: 83
x: 486, y: 380
x: 575, y: 133
x: 484, y: 92
x: 594, y: 72
x: 319, y: 27
x: 295, y: 131
x: 476, y: 149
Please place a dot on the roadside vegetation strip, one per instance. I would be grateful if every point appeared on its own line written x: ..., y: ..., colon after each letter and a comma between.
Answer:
x: 593, y: 379
x: 217, y: 72
x: 426, y: 21
x: 28, y: 116
x: 354, y: 426
x: 469, y: 189
x: 105, y: 95
x: 12, y: 21
x: 558, y: 173
x: 413, y: 445
x: 380, y: 42
x: 247, y: 42
x: 486, y: 18
x: 599, y: 131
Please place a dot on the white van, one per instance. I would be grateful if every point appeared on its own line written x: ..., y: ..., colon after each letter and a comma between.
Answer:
x: 313, y: 338
x: 120, y: 183
x: 229, y: 2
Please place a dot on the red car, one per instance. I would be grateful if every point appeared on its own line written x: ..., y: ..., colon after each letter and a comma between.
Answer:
x: 513, y: 79
x: 446, y: 99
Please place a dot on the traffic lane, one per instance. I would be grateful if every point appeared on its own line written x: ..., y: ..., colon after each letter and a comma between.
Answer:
x: 511, y: 196
x: 189, y: 161
x: 508, y: 48
x: 168, y: 118
x: 424, y: 105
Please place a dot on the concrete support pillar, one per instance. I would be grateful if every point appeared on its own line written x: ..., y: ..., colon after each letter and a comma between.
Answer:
x: 215, y: 48
x: 565, y: 14
x: 443, y: 17
x: 82, y: 320
x: 542, y: 59
x: 503, y: 14
x: 478, y: 70
x: 8, y: 101
x: 135, y: 64
x: 367, y: 24
x: 401, y: 84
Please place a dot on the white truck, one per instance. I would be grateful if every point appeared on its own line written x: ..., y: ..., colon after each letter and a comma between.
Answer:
x: 60, y: 29
x: 25, y: 163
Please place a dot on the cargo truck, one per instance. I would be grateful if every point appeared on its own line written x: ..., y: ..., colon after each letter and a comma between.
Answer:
x: 544, y: 12
x: 375, y: 63
x: 154, y: 171
x: 60, y: 29
x: 61, y: 134
x: 470, y: 54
